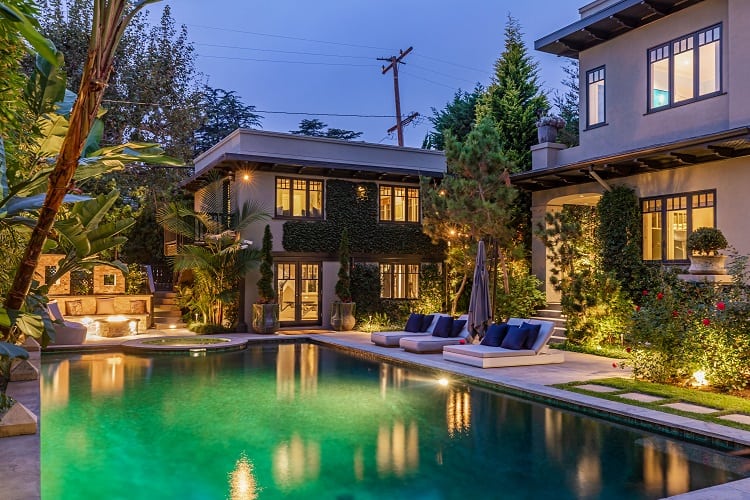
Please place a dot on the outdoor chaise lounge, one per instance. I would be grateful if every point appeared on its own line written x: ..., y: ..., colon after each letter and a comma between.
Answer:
x: 67, y: 333
x: 485, y: 356
x: 425, y: 344
x: 391, y: 339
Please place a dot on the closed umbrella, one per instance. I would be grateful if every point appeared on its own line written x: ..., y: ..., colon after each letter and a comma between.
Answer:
x: 480, y: 313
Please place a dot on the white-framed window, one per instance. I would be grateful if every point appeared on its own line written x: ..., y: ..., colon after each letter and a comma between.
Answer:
x: 685, y: 69
x: 595, y: 95
x: 668, y: 220
x: 399, y: 281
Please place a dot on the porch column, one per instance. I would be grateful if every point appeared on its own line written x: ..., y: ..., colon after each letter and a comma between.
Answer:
x: 540, y: 265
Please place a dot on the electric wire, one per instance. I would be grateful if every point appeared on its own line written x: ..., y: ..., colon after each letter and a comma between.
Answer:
x: 310, y: 63
x: 295, y: 52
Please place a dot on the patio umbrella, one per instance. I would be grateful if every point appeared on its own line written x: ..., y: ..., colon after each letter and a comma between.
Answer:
x: 480, y: 313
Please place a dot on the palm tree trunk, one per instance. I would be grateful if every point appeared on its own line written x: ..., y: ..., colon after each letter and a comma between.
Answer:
x: 109, y: 22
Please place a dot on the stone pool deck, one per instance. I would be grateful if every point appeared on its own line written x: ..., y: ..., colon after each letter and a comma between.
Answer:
x: 19, y: 456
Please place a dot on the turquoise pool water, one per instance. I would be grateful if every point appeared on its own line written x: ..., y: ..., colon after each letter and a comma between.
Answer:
x: 303, y: 421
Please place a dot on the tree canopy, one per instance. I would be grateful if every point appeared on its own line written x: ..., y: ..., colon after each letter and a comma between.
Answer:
x: 317, y: 128
x: 457, y: 117
x: 222, y: 112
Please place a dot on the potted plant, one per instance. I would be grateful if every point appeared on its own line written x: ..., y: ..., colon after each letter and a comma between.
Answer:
x: 342, y: 310
x: 15, y: 418
x: 703, y: 247
x: 548, y: 127
x: 266, y: 308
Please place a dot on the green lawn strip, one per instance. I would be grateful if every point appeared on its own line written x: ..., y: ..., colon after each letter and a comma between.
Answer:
x: 725, y: 404
x: 607, y: 351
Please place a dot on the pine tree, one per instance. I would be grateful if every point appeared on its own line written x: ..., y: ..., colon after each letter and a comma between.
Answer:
x: 457, y: 117
x: 567, y: 104
x: 514, y: 98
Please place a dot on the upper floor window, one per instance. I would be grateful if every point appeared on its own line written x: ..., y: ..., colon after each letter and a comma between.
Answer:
x: 668, y: 220
x: 685, y: 69
x: 595, y: 97
x: 399, y: 203
x: 299, y: 198
x: 399, y: 281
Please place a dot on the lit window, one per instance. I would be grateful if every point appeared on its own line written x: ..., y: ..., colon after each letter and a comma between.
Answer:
x: 299, y: 198
x: 399, y: 204
x: 668, y: 220
x: 679, y: 73
x: 399, y: 281
x: 595, y: 96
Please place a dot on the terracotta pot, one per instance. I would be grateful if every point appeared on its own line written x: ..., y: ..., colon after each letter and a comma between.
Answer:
x: 707, y: 264
x: 265, y: 318
x: 342, y: 316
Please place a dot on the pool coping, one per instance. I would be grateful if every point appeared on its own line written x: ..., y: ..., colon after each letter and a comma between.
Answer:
x: 28, y: 484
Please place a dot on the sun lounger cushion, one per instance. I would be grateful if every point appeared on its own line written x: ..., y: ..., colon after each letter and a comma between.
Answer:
x: 515, y: 337
x: 414, y: 323
x: 391, y: 339
x: 495, y: 334
x: 458, y: 325
x: 424, y: 344
x: 426, y: 322
x: 443, y: 327
x: 532, y: 332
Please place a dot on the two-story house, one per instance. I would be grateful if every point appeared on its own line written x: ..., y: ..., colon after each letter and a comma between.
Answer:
x: 665, y: 109
x: 312, y: 188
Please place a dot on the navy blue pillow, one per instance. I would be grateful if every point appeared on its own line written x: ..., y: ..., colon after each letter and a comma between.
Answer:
x: 426, y: 322
x: 495, y: 335
x: 458, y: 325
x: 443, y: 327
x: 515, y: 337
x: 414, y: 323
x: 531, y: 335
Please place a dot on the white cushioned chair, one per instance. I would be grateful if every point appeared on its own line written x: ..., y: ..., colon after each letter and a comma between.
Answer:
x: 67, y: 333
x: 425, y: 344
x: 391, y: 339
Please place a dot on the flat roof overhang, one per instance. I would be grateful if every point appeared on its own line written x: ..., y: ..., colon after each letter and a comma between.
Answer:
x: 732, y: 143
x: 608, y: 23
x: 229, y: 163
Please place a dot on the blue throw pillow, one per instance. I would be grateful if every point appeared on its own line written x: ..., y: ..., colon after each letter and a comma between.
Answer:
x: 443, y: 327
x: 531, y: 335
x: 414, y: 323
x: 495, y: 335
x: 515, y: 337
x: 426, y: 322
x: 458, y: 325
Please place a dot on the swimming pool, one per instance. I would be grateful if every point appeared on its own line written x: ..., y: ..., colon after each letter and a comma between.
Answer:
x: 306, y: 421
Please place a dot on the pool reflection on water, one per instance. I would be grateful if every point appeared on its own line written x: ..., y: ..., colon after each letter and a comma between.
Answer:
x: 303, y: 421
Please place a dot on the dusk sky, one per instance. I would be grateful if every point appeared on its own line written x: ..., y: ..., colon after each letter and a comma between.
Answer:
x: 331, y: 48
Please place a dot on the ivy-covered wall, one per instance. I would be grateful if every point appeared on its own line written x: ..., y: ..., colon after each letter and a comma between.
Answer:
x: 354, y: 205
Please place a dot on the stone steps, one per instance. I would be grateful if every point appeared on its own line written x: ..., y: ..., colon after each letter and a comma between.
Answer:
x: 553, y: 312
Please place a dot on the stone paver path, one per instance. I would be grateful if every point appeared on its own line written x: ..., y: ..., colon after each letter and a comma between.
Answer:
x: 643, y: 398
x: 597, y: 388
x: 691, y: 408
x: 736, y: 417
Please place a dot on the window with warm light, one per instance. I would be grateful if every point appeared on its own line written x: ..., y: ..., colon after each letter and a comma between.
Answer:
x: 399, y: 281
x: 302, y: 198
x: 668, y: 220
x: 399, y: 204
x: 685, y: 69
x: 595, y: 97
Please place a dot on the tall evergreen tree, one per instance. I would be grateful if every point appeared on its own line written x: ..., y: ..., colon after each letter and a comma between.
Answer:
x: 514, y: 98
x: 222, y: 112
x: 567, y: 104
x: 457, y: 117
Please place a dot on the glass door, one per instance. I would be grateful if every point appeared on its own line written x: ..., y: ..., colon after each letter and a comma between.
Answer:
x: 298, y: 286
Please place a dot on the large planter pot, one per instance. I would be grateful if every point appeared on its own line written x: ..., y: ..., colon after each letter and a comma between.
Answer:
x: 342, y: 316
x: 707, y: 264
x: 265, y: 318
x: 547, y: 133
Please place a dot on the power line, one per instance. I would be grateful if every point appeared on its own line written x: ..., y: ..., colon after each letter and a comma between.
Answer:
x: 282, y: 51
x: 313, y: 63
x: 483, y: 71
x: 440, y: 73
x: 431, y: 81
x: 349, y: 115
x: 287, y: 37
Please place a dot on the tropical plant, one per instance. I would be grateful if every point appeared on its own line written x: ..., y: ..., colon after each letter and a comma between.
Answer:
x: 343, y: 285
x: 110, y: 18
x: 219, y: 262
x: 266, y: 293
x: 706, y: 241
x: 135, y: 279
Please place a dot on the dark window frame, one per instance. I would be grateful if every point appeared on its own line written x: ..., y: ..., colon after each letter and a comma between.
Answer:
x: 589, y: 73
x: 663, y: 218
x: 307, y: 208
x: 392, y: 277
x: 669, y: 47
x: 392, y: 188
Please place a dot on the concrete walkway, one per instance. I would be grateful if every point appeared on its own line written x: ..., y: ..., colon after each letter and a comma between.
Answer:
x: 19, y: 456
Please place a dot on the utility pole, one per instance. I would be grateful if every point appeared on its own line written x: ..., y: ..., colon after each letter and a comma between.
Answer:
x: 394, y: 62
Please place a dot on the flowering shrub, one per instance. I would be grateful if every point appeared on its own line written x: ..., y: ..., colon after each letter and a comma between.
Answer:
x: 552, y: 120
x: 690, y: 327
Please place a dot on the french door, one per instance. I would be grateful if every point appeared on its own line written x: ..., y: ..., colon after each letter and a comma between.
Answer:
x: 298, y: 286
